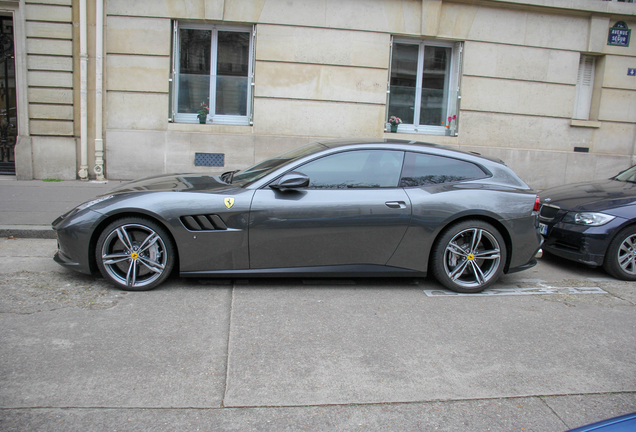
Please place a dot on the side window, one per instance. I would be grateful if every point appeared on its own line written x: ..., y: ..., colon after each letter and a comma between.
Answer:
x: 423, y: 169
x: 355, y: 169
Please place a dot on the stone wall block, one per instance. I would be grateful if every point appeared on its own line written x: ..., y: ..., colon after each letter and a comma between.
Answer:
x: 54, y: 157
x: 54, y: 13
x: 615, y: 73
x: 597, y: 38
x: 191, y: 9
x: 614, y: 139
x: 133, y: 154
x: 318, y: 119
x: 322, y: 46
x: 50, y: 79
x: 401, y: 16
x: 51, y: 112
x: 517, y: 97
x: 51, y: 63
x: 137, y: 73
x: 50, y: 95
x: 148, y: 36
x: 53, y: 2
x: 147, y: 111
x: 51, y: 127
x: 49, y: 47
x: 618, y: 105
x: 49, y: 30
x: 557, y: 31
x: 331, y: 83
x: 456, y: 20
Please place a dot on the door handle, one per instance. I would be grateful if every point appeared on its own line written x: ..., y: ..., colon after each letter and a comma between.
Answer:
x: 396, y: 204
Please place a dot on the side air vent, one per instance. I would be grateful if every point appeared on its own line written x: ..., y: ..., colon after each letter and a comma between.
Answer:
x: 203, y: 223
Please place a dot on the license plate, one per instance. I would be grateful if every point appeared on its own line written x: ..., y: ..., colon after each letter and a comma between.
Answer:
x: 543, y: 229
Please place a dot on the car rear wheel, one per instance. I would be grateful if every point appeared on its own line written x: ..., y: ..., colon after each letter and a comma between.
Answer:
x: 620, y: 259
x: 135, y: 254
x: 469, y: 256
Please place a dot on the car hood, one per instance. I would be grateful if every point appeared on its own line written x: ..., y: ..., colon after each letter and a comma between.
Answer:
x: 591, y: 196
x: 176, y: 183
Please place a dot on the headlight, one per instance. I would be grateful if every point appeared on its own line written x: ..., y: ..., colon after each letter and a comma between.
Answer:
x: 87, y: 204
x: 588, y: 219
x: 92, y: 202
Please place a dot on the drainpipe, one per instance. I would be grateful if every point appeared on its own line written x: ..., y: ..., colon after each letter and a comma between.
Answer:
x: 83, y: 172
x: 99, y: 85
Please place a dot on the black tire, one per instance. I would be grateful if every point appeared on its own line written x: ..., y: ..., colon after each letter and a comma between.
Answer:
x: 135, y: 254
x: 468, y: 256
x: 620, y: 258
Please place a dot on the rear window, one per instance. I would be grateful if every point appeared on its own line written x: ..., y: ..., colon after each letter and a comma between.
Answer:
x: 423, y: 169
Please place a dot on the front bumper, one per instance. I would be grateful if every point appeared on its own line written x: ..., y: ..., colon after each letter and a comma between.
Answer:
x: 581, y: 243
x: 73, y: 240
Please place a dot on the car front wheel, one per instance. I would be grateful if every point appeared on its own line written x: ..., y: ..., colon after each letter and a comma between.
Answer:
x: 469, y: 256
x: 135, y: 254
x: 620, y: 259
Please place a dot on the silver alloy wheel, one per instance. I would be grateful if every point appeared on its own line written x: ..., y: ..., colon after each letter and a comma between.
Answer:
x: 627, y: 255
x: 472, y: 257
x: 134, y: 255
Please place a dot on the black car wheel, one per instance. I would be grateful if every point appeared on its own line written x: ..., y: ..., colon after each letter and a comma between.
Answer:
x: 469, y: 256
x: 620, y: 259
x: 135, y: 254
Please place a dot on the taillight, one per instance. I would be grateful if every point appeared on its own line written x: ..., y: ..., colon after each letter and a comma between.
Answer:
x: 537, y: 204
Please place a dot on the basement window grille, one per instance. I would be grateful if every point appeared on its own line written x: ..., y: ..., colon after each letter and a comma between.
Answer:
x: 209, y: 159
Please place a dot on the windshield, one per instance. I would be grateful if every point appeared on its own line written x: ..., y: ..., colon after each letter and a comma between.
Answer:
x: 261, y: 169
x: 628, y: 175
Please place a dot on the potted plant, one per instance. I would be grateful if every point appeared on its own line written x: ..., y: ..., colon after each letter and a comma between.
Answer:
x: 203, y: 113
x: 394, y: 122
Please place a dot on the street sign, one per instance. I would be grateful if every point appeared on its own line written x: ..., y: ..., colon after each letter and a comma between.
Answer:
x: 619, y: 35
x: 631, y: 71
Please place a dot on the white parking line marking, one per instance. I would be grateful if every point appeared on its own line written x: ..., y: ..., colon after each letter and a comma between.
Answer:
x: 543, y: 290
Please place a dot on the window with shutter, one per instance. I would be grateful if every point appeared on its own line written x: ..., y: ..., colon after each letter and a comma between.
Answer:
x: 584, y: 88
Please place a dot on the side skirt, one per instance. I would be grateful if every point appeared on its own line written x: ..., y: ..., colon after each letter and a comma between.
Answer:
x: 368, y: 270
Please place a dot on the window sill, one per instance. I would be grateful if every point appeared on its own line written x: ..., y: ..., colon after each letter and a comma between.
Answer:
x: 585, y: 123
x: 210, y: 128
x: 421, y: 137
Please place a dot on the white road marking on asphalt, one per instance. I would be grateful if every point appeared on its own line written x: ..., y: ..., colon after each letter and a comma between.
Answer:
x: 543, y: 290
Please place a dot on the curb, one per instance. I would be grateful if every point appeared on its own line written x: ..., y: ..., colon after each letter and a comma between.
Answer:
x: 28, y: 231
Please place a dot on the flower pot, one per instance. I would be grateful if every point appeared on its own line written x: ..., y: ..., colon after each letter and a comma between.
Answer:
x: 394, y: 128
x: 202, y: 120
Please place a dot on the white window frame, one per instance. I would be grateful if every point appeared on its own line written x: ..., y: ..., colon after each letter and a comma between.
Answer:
x: 212, y: 117
x: 451, y: 92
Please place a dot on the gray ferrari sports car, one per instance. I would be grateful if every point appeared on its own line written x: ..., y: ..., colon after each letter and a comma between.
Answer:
x: 333, y: 208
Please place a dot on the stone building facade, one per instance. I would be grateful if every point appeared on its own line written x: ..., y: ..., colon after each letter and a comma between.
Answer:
x: 115, y: 95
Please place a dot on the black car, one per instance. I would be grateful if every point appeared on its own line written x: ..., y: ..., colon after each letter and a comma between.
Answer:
x: 345, y: 208
x: 593, y: 223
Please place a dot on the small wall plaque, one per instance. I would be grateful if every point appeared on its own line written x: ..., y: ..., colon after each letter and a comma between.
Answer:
x: 631, y: 71
x: 619, y: 35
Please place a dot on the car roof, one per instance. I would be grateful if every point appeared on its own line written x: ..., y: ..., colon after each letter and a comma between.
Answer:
x: 333, y: 144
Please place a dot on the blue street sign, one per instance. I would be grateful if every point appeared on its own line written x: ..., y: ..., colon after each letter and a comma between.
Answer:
x: 631, y: 71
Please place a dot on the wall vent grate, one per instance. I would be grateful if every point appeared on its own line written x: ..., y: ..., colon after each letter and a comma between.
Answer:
x: 209, y: 159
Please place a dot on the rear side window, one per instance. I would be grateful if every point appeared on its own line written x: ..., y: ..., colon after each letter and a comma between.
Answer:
x: 424, y: 169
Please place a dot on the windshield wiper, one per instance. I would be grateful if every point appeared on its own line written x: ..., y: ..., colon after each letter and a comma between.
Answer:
x: 228, y: 176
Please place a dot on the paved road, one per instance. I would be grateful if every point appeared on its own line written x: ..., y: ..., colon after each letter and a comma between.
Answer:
x: 550, y: 349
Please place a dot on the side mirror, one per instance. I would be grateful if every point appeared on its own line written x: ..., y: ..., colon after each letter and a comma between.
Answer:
x: 292, y: 180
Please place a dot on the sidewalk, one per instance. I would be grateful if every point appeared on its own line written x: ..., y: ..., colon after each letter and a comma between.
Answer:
x: 28, y: 207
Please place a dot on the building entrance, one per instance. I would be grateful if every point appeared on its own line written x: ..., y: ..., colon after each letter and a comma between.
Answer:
x: 8, y: 112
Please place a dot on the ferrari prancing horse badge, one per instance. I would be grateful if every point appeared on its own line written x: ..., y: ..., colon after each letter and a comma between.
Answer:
x: 229, y: 202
